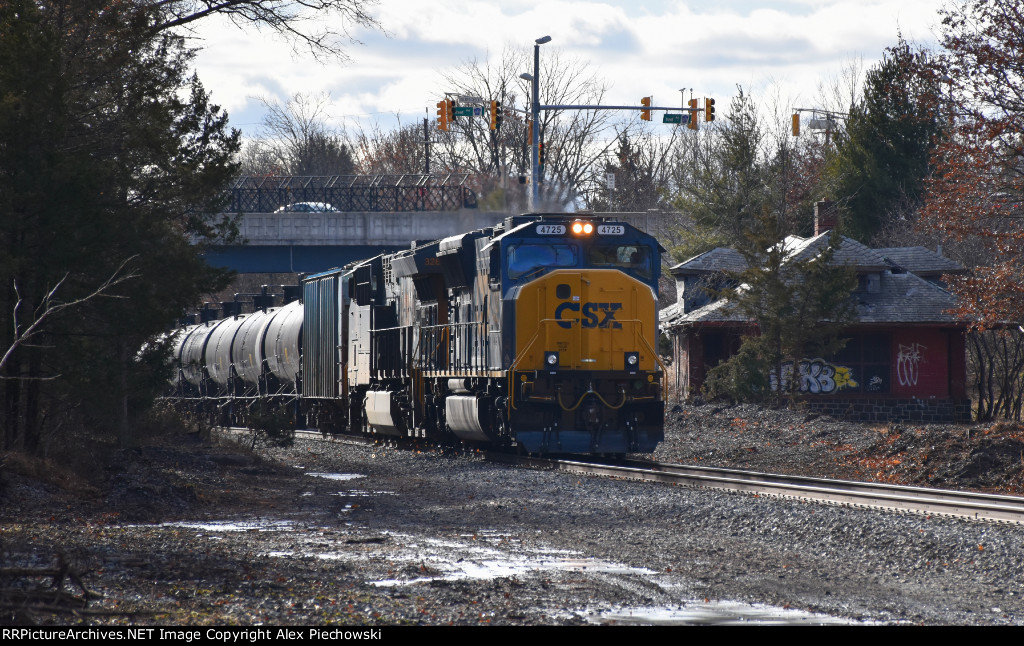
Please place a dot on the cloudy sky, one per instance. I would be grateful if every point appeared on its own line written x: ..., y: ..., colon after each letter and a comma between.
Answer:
x: 640, y: 47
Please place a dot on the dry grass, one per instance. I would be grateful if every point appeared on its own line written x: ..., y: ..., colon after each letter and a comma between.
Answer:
x: 46, y: 471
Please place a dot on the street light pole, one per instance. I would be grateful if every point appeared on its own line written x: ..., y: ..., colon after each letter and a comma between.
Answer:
x: 535, y: 142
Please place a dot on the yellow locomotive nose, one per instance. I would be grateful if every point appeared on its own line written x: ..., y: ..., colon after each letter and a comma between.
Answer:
x: 594, y: 319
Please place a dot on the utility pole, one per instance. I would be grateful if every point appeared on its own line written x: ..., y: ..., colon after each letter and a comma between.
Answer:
x: 535, y: 115
x: 426, y: 145
x: 536, y: 107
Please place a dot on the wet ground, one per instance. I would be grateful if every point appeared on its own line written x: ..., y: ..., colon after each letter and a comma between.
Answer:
x: 334, y: 533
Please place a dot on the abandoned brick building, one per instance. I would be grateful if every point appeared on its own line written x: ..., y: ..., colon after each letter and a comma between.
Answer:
x: 905, y: 358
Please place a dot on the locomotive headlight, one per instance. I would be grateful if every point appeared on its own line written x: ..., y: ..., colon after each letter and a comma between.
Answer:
x: 582, y: 228
x: 632, y: 361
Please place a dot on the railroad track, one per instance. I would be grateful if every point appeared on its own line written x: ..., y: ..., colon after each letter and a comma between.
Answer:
x: 922, y: 500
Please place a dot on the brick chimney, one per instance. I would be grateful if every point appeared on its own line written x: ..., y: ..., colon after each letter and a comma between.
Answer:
x: 826, y: 217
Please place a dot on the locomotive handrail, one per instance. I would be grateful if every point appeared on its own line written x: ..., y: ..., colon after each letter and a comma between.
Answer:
x: 657, y: 359
x: 519, y: 359
x: 448, y: 329
x: 442, y: 339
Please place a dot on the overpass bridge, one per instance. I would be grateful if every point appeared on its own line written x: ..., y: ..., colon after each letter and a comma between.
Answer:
x: 364, y: 215
x: 311, y: 242
x: 373, y: 215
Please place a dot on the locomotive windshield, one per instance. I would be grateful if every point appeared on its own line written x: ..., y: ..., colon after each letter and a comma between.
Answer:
x: 633, y: 258
x: 525, y: 258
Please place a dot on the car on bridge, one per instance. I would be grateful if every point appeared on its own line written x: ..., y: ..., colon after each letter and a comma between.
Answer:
x: 306, y: 207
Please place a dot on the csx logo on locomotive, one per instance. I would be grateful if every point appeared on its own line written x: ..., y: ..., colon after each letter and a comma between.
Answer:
x: 601, y: 315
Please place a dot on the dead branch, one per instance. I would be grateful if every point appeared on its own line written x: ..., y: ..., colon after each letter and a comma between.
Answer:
x: 301, y: 22
x: 50, y: 307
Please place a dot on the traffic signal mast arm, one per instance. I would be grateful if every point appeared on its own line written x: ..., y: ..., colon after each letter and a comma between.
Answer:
x: 828, y: 123
x: 674, y: 108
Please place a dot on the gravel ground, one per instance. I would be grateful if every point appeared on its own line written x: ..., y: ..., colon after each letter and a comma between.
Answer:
x: 334, y: 533
x: 980, y: 457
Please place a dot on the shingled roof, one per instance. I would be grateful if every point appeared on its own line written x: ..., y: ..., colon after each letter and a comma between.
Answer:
x: 905, y: 298
x: 850, y: 252
x: 921, y: 261
x: 720, y: 259
x: 901, y: 298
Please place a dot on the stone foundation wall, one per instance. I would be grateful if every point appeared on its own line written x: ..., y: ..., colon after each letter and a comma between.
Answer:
x: 892, y: 410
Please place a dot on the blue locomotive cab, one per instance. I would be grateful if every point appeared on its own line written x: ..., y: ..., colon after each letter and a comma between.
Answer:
x: 534, y: 248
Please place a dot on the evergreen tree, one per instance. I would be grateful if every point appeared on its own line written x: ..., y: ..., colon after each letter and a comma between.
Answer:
x: 110, y: 155
x: 797, y: 303
x: 726, y: 180
x: 748, y: 190
x: 882, y: 157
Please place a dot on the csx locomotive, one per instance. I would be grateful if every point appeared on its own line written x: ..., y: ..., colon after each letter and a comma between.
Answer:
x: 538, y: 333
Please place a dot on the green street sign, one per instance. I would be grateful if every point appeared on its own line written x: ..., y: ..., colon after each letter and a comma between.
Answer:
x: 672, y: 118
x: 463, y: 111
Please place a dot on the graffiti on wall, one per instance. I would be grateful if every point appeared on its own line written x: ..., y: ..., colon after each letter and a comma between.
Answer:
x: 817, y: 376
x: 907, y: 362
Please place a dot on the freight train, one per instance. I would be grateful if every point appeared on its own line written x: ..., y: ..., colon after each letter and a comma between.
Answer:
x: 537, y: 334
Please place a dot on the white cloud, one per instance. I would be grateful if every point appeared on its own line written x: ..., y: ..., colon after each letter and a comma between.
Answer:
x: 641, y: 47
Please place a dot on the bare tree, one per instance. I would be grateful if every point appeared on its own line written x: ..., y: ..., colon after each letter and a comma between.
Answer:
x: 297, y: 140
x: 642, y: 162
x: 259, y: 158
x: 572, y: 138
x: 840, y: 91
x: 395, y: 152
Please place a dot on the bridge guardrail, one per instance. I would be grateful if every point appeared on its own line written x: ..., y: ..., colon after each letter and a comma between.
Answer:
x: 378, y: 193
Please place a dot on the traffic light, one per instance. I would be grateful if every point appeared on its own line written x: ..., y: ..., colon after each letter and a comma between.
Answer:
x: 796, y: 124
x: 495, y: 115
x: 645, y: 114
x: 442, y: 115
x: 709, y: 109
x: 451, y: 110
x: 692, y: 125
x: 540, y: 153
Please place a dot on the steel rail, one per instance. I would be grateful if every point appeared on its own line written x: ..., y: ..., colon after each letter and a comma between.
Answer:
x: 923, y: 500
